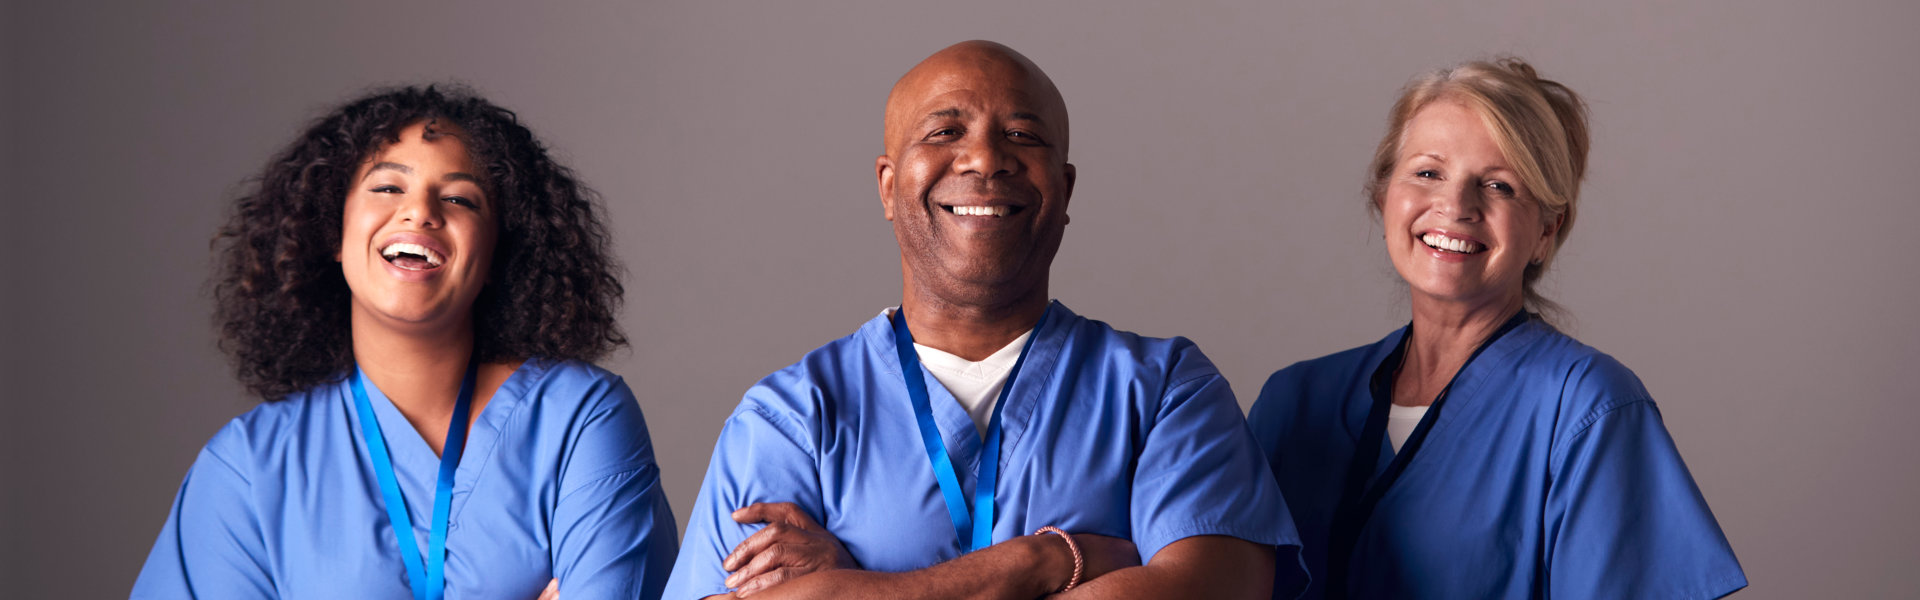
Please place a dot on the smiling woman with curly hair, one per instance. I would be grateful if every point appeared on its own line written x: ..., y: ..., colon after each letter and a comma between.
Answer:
x: 416, y: 289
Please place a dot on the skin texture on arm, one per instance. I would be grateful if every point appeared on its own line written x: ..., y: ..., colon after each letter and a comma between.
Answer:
x: 1205, y: 566
x: 1209, y: 566
x: 1021, y: 568
x: 793, y: 548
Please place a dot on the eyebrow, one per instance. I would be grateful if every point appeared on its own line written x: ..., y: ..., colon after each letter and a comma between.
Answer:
x: 388, y: 166
x: 394, y: 166
x: 955, y: 113
x: 461, y: 176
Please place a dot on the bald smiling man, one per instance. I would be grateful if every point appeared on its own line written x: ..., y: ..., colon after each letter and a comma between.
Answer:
x: 1027, y: 450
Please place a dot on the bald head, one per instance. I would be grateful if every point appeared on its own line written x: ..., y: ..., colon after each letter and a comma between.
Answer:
x: 972, y: 68
x: 976, y: 181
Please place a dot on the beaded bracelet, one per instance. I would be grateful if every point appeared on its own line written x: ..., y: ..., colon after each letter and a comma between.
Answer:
x: 1070, y: 546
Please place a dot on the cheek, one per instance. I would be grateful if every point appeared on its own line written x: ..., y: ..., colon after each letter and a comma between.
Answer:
x: 1396, y: 215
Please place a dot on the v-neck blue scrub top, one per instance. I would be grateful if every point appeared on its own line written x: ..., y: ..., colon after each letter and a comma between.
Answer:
x: 1547, y: 474
x: 1104, y: 432
x: 558, y: 480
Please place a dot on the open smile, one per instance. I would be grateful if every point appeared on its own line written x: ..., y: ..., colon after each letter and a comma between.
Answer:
x: 1001, y: 210
x: 1443, y: 243
x: 411, y: 256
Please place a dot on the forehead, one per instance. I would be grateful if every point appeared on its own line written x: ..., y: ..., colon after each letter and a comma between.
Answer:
x: 991, y: 83
x: 1450, y: 128
x: 974, y: 83
x: 426, y: 145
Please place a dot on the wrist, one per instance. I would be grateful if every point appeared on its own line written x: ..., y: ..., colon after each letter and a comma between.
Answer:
x: 1052, y: 563
x: 1073, y: 550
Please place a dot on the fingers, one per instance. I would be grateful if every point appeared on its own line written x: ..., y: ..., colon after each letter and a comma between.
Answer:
x: 755, y: 544
x: 552, y: 592
x: 766, y: 580
x: 763, y: 562
x: 775, y: 512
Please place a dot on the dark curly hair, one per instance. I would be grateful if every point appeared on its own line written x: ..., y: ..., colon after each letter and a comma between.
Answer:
x: 282, y: 305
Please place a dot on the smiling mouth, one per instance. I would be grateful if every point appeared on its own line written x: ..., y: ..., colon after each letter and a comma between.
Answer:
x: 983, y: 211
x: 1453, y: 245
x: 412, y: 257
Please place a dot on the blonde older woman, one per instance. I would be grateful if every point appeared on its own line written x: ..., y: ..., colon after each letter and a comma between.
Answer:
x: 1479, y: 452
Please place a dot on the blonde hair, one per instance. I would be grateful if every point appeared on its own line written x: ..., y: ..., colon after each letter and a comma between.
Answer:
x: 1539, y: 125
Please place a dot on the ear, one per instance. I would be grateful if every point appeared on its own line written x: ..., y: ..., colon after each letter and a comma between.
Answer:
x: 1072, y: 174
x: 883, y: 175
x: 1548, y: 235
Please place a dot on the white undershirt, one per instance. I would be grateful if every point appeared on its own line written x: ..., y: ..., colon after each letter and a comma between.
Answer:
x: 1401, y: 421
x: 976, y: 384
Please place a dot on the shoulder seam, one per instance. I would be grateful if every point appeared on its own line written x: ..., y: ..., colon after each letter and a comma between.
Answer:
x: 781, y: 425
x: 1594, y: 416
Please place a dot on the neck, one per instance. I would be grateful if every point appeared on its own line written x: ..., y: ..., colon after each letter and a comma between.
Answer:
x: 420, y: 371
x: 1445, y: 334
x: 972, y: 331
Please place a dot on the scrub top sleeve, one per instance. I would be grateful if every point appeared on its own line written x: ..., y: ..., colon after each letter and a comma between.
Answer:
x: 759, y: 458
x: 1624, y: 518
x: 1201, y: 473
x: 211, y: 545
x: 613, y: 534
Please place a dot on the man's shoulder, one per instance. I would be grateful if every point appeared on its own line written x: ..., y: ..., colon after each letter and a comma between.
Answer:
x: 1175, y: 358
x: 803, y: 392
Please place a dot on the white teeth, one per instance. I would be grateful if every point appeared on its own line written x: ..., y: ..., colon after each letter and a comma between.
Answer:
x: 1450, y: 244
x: 399, y: 248
x: 982, y: 211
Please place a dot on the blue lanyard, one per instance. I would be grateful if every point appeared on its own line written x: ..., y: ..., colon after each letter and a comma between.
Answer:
x: 980, y: 522
x: 428, y: 583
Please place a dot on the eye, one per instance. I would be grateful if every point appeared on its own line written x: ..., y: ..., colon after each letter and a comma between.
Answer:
x: 1026, y: 137
x: 1501, y: 187
x: 387, y: 189
x: 462, y: 201
x: 1426, y: 174
x: 944, y: 132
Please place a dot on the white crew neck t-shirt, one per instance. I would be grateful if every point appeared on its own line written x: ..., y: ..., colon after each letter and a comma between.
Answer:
x: 1401, y: 421
x: 976, y: 384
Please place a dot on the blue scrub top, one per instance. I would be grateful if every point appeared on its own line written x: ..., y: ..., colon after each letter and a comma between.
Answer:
x: 1547, y: 473
x: 1105, y: 432
x: 558, y: 480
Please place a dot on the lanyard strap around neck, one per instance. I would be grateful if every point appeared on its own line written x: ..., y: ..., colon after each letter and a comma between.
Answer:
x: 429, y: 582
x: 975, y: 529
x: 1359, y: 499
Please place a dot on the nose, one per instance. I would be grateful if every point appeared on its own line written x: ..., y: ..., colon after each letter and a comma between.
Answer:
x: 1459, y: 201
x: 986, y: 156
x: 421, y: 208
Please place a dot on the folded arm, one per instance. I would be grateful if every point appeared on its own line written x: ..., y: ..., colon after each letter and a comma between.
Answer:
x: 1206, y: 566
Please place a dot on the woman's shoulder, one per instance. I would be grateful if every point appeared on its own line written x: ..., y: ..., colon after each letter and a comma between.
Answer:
x: 1334, y: 371
x: 562, y: 379
x: 1580, y: 368
x: 1585, y: 383
x: 273, y: 431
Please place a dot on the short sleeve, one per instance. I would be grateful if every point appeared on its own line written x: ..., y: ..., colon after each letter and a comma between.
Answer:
x: 211, y: 545
x: 758, y: 458
x: 1624, y: 518
x: 1200, y: 472
x: 613, y: 530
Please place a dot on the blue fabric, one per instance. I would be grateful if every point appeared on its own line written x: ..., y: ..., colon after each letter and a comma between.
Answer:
x: 1548, y: 474
x: 1105, y: 432
x: 558, y: 480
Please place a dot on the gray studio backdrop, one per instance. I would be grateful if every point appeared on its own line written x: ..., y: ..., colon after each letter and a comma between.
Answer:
x: 1744, y: 241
